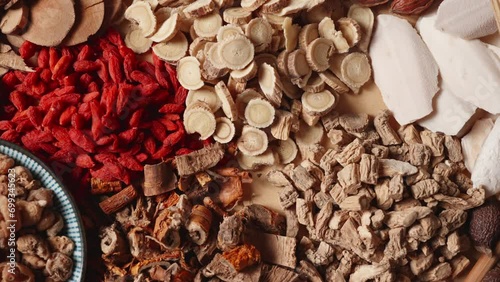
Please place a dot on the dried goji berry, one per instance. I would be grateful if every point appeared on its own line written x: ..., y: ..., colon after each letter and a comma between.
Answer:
x: 24, y: 126
x: 82, y: 140
x: 159, y: 96
x: 10, y: 135
x: 6, y: 125
x: 124, y: 92
x: 158, y: 130
x: 31, y: 78
x: 129, y: 65
x: 35, y: 116
x: 106, y: 158
x: 61, y: 67
x: 169, y: 125
x: 52, y: 116
x: 61, y: 134
x: 160, y: 72
x: 141, y: 77
x: 84, y: 161
x: 110, y: 121
x: 64, y: 156
x: 146, y: 67
x: 86, y: 66
x: 128, y: 136
x: 150, y: 145
x: 93, y: 87
x: 109, y: 97
x: 104, y: 140
x: 114, y: 37
x: 142, y: 157
x: 162, y: 152
x: 86, y: 79
x: 148, y: 89
x: 180, y: 95
x: 48, y: 148
x: 65, y: 90
x: 115, y: 70
x: 28, y: 49
x: 96, y: 127
x: 173, y: 76
x: 103, y: 71
x: 172, y: 109
x: 21, y: 76
x: 90, y: 96
x: 37, y: 90
x: 77, y: 121
x: 85, y: 53
x: 46, y: 75
x: 43, y: 58
x: 128, y: 161
x: 70, y: 80
x: 125, y: 51
x: 135, y: 118
x: 173, y: 138
x: 10, y: 80
x: 53, y: 58
x: 172, y: 117
x: 19, y: 100
x: 66, y: 115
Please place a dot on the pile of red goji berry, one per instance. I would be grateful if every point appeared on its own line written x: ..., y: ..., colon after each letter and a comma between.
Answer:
x: 95, y: 110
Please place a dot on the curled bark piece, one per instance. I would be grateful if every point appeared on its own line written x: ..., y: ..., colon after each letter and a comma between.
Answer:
x: 158, y: 179
x: 199, y: 224
x: 199, y: 160
x: 119, y: 200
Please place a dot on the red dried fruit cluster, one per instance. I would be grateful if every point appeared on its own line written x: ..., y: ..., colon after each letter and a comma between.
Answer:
x: 95, y: 110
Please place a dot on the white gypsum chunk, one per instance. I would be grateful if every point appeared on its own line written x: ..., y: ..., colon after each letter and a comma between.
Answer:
x: 485, y: 173
x: 467, y: 66
x: 404, y: 69
x: 473, y: 141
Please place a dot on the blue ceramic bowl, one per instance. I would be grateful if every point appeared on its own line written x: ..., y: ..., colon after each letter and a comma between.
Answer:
x: 63, y: 202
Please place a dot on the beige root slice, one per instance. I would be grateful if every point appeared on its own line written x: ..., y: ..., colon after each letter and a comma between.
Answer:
x: 318, y: 54
x: 253, y: 141
x: 224, y: 130
x: 199, y: 119
x: 205, y: 94
x: 15, y: 19
x: 350, y: 30
x: 274, y: 6
x: 297, y: 64
x: 173, y: 50
x: 142, y: 14
x: 245, y: 74
x: 89, y: 18
x: 237, y: 15
x: 167, y: 30
x: 319, y: 103
x: 199, y: 8
x: 135, y: 40
x: 236, y: 52
x: 327, y: 30
x: 188, y: 73
x: 253, y: 162
x: 260, y: 32
x: 365, y: 18
x: 282, y: 125
x: 356, y: 70
x: 314, y: 84
x: 227, y: 31
x: 282, y: 62
x: 243, y: 98
x: 213, y: 56
x: 197, y: 45
x: 307, y: 34
x: 270, y: 84
x: 259, y: 113
x: 228, y: 105
x: 275, y: 20
x: 252, y: 5
x: 287, y: 151
x: 208, y: 26
x: 291, y: 32
x: 48, y: 16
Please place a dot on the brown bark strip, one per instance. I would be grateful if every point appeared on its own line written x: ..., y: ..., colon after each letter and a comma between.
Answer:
x: 119, y: 200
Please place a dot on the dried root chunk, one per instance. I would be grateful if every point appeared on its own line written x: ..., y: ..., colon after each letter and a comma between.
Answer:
x: 260, y: 32
x: 297, y: 64
x: 188, y: 73
x: 291, y: 33
x: 205, y: 94
x: 243, y: 98
x: 369, y: 169
x: 384, y: 129
x: 270, y: 84
x: 242, y: 257
x: 315, y: 84
x: 200, y: 119
x: 281, y: 127
x: 390, y: 167
x: 228, y: 105
x: 308, y: 34
x: 287, y: 151
x: 274, y: 6
x: 141, y: 13
x: 349, y: 179
x: 364, y: 17
x: 334, y: 82
x: 236, y: 52
x: 259, y: 113
x: 253, y: 141
x: 367, y: 272
x: 15, y: 19
x: 356, y: 70
x: 327, y: 30
x: 173, y: 50
x: 167, y: 30
x: 319, y: 103
x: 245, y: 74
x: 208, y: 25
x: 350, y: 153
x: 434, y: 141
x: 354, y: 123
x: 254, y: 162
x: 437, y: 273
x: 318, y: 54
x: 237, y: 15
x: 350, y: 30
x: 199, y: 8
x: 227, y: 31
x: 224, y: 130
x: 135, y: 40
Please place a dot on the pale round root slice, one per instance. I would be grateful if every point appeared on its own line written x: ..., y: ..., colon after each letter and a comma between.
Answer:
x: 315, y: 83
x: 210, y: 73
x: 334, y: 82
x: 227, y: 31
x: 310, y: 135
x: 270, y: 84
x: 188, y: 73
x: 297, y: 64
x: 291, y: 32
x: 235, y: 86
x: 199, y: 120
x: 228, y: 105
x: 287, y: 151
x: 260, y: 32
x: 274, y: 6
x: 135, y: 40
x: 173, y: 50
x: 266, y: 58
x: 237, y: 15
x: 243, y: 98
x: 259, y: 113
x: 318, y: 54
x: 326, y: 29
x: 350, y: 30
x: 212, y: 54
x: 252, y: 4
x: 307, y: 34
x: 50, y: 22
x: 236, y: 52
x: 268, y: 158
x: 356, y: 70
x: 141, y: 13
x: 199, y: 8
x: 167, y: 30
x: 224, y: 130
x: 319, y: 103
x: 291, y: 90
x: 253, y: 141
x: 275, y: 20
x: 282, y: 62
x: 197, y: 45
x: 205, y: 94
x: 365, y: 18
x: 208, y: 25
x: 15, y: 19
x: 245, y: 74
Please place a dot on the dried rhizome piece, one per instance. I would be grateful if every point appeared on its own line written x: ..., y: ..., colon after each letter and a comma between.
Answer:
x: 158, y: 179
x: 381, y: 204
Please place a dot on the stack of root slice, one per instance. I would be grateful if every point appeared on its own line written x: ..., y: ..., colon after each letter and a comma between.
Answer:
x: 252, y: 71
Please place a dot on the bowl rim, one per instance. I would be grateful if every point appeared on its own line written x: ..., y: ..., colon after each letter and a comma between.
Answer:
x: 71, y: 199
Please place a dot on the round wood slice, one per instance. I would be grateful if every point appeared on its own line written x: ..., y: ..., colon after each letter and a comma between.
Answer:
x: 50, y: 22
x: 89, y: 18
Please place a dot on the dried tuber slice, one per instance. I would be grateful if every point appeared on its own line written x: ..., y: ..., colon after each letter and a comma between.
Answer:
x: 365, y: 18
x: 200, y: 119
x: 188, y: 73
x: 260, y: 32
x: 287, y: 151
x: 173, y: 50
x: 141, y: 13
x: 334, y: 82
x: 237, y: 15
x: 307, y: 34
x: 135, y: 40
x: 350, y: 30
x: 236, y: 52
x: 205, y: 94
x: 259, y: 113
x: 291, y: 33
x: 228, y: 105
x: 15, y: 19
x: 167, y: 30
x: 89, y: 18
x: 327, y: 30
x: 253, y: 141
x: 319, y: 103
x: 208, y: 25
x: 318, y: 54
x: 199, y: 8
x: 270, y: 84
x: 224, y: 130
x: 227, y: 31
x: 356, y: 70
